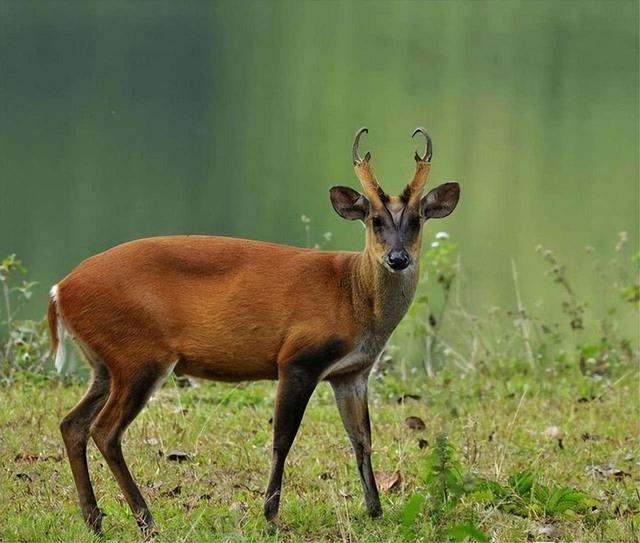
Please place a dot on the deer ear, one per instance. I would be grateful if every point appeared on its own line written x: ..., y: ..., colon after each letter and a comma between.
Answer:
x: 348, y: 203
x: 441, y: 201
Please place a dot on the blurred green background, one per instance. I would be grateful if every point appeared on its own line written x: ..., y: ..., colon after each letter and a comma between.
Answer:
x: 122, y: 120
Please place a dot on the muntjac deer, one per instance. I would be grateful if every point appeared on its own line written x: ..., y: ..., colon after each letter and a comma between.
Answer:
x: 230, y: 310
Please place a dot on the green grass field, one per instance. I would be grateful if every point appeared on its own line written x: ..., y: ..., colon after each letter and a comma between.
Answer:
x: 543, y: 417
x: 496, y: 421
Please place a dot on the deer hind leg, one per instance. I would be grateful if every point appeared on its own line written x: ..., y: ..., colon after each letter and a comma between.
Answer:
x: 75, y: 433
x: 129, y: 394
x: 351, y: 396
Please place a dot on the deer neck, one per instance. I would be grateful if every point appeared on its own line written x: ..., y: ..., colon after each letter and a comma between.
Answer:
x: 382, y: 296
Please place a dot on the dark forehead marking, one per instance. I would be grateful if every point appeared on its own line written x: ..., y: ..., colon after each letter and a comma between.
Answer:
x: 381, y: 194
x: 406, y: 194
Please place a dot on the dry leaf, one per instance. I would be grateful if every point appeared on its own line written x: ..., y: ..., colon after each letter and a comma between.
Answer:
x: 24, y: 477
x: 27, y: 457
x: 388, y: 481
x: 177, y: 456
x: 176, y: 491
x: 31, y: 457
x: 607, y: 471
x: 404, y: 397
x: 415, y: 423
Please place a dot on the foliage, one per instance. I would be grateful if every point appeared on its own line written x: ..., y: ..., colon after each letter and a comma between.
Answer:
x: 441, y: 473
x: 24, y: 343
x: 445, y: 486
x: 523, y: 495
x: 440, y: 331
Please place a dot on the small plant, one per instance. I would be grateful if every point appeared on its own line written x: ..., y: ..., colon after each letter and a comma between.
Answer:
x: 445, y: 485
x: 620, y: 288
x: 524, y: 496
x: 24, y: 343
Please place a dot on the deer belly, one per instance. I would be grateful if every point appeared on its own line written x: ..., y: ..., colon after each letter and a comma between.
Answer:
x: 222, y: 370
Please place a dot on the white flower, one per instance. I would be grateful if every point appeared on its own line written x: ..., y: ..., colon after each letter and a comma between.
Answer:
x: 435, y: 244
x: 442, y: 235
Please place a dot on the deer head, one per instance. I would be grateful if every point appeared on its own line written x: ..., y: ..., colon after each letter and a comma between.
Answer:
x: 394, y: 223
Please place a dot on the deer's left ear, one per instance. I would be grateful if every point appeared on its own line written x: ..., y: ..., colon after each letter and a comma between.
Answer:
x: 440, y: 202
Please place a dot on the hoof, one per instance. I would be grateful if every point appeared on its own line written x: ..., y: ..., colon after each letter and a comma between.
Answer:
x: 93, y: 518
x: 375, y: 512
x: 271, y: 506
x: 145, y: 523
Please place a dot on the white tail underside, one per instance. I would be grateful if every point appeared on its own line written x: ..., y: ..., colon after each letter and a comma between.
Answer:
x: 62, y: 332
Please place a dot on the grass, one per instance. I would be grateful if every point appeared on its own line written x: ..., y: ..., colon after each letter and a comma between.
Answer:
x: 496, y: 421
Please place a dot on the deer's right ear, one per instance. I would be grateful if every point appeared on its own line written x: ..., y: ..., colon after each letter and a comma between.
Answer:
x: 349, y: 204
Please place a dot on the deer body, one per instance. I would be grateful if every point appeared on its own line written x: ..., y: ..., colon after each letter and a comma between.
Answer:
x: 223, y: 308
x: 237, y: 310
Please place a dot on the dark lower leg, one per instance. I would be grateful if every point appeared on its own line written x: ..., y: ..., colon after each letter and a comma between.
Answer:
x: 127, y: 398
x: 112, y: 451
x: 75, y: 432
x: 294, y: 390
x: 368, y: 481
x: 351, y: 397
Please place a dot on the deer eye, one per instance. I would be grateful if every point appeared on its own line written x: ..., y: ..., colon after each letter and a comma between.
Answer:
x: 414, y: 223
x: 376, y: 222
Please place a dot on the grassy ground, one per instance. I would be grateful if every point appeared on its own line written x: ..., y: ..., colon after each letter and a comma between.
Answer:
x: 496, y: 422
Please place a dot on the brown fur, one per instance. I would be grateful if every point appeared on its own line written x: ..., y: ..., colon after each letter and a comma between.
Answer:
x: 224, y: 308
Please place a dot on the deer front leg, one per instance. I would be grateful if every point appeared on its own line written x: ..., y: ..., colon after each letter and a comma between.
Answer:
x: 301, y: 364
x: 351, y: 396
x: 294, y: 390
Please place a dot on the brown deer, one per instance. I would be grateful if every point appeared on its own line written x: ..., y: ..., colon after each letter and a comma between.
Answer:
x: 235, y: 310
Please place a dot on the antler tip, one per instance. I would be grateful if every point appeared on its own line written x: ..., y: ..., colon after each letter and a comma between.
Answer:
x: 419, y: 130
x: 354, y: 150
x: 428, y: 153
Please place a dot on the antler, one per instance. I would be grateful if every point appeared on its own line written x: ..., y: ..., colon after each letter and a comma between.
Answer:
x: 423, y: 165
x: 364, y: 171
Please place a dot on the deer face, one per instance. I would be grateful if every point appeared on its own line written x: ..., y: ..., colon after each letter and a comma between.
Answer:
x: 394, y: 223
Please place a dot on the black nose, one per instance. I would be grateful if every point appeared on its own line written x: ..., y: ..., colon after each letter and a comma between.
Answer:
x: 398, y: 259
